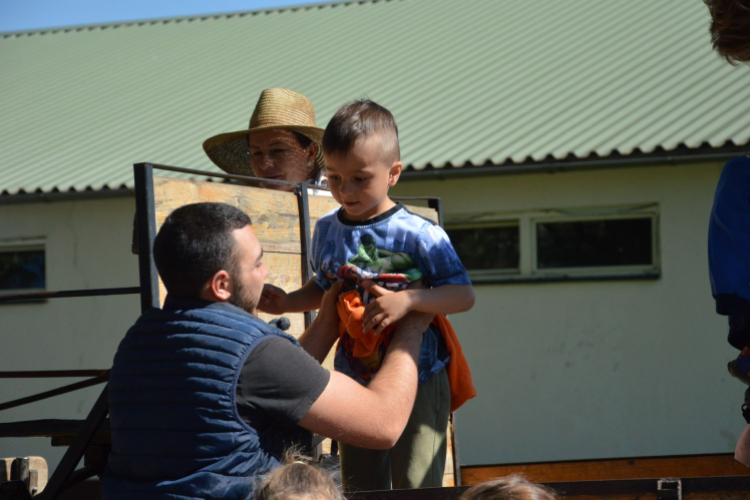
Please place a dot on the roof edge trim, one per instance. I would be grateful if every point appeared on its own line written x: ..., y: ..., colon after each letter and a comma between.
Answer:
x: 567, y: 166
x: 51, y: 197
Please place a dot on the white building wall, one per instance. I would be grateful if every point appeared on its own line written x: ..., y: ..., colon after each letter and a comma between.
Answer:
x: 581, y: 370
x: 87, y: 246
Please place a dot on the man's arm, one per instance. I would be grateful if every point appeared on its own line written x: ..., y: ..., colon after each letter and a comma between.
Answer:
x: 319, y: 338
x: 375, y: 416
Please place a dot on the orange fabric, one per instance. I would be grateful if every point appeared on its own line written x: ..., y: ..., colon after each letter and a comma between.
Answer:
x: 351, y: 310
x: 459, y: 374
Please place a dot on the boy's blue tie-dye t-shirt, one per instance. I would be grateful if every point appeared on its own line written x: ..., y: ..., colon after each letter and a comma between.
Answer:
x: 392, y: 249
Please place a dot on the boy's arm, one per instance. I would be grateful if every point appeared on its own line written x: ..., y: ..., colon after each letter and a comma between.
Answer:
x: 276, y: 301
x: 388, y: 309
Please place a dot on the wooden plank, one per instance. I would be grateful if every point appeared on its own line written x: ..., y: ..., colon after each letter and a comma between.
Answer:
x: 605, y: 469
x: 275, y: 214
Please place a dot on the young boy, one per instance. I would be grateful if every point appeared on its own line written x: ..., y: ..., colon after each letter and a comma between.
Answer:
x: 372, y: 238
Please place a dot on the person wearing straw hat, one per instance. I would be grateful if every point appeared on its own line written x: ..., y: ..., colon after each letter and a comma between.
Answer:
x: 281, y: 143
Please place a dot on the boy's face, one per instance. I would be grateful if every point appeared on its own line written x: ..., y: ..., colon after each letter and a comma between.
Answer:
x: 359, y: 180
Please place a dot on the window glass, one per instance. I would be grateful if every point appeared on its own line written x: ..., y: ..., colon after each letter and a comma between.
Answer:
x: 487, y: 247
x: 594, y: 243
x: 21, y: 269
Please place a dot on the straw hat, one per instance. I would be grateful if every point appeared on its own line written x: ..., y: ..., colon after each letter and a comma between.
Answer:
x: 276, y: 109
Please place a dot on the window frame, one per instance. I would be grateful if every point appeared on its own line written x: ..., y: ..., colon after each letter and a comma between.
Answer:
x: 529, y: 272
x: 35, y: 244
x: 625, y: 270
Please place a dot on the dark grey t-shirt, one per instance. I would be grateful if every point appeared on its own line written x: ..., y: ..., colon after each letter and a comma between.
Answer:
x: 277, y: 386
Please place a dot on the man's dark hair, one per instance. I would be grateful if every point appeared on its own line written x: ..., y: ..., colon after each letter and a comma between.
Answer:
x: 730, y: 28
x: 361, y: 118
x: 194, y: 243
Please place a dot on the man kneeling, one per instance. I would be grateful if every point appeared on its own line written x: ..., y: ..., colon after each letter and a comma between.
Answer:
x: 204, y: 395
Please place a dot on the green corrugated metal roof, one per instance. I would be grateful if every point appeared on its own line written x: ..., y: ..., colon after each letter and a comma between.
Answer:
x: 470, y: 82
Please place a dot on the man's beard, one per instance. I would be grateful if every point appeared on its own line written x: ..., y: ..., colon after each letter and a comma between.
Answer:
x: 241, y: 296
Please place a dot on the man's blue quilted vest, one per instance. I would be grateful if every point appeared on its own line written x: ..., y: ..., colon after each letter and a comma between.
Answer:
x: 176, y: 432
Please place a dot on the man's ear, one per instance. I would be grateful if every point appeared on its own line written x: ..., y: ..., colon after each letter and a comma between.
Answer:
x: 313, y: 155
x: 219, y: 287
x: 395, y: 173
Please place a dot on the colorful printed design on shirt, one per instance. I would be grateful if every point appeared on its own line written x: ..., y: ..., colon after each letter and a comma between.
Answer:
x: 392, y: 270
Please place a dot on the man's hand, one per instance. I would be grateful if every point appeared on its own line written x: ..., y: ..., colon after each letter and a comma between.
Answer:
x: 386, y: 310
x: 273, y: 300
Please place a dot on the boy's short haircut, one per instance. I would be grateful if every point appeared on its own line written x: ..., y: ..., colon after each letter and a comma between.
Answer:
x: 730, y: 28
x: 362, y: 118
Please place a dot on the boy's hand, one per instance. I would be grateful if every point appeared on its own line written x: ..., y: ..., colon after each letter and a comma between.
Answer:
x: 384, y: 311
x: 272, y: 300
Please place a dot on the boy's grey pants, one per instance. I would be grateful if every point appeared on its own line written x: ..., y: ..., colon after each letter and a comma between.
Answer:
x: 418, y: 459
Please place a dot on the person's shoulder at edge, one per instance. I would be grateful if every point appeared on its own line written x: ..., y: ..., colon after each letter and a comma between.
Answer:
x: 736, y: 169
x: 733, y: 188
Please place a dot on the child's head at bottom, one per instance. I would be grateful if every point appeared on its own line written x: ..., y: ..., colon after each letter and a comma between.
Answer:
x: 363, y: 159
x: 514, y: 487
x: 298, y: 479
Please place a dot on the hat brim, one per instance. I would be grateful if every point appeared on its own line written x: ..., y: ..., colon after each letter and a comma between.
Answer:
x: 231, y: 153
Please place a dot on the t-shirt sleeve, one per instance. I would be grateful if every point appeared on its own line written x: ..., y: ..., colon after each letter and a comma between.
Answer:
x: 280, y: 380
x: 438, y: 260
x: 318, y: 252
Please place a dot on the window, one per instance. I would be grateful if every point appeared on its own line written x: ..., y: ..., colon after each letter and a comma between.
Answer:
x: 594, y: 243
x: 22, y: 267
x: 487, y: 248
x: 619, y: 242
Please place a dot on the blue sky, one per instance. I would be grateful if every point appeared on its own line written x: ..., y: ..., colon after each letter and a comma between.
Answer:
x: 16, y: 15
